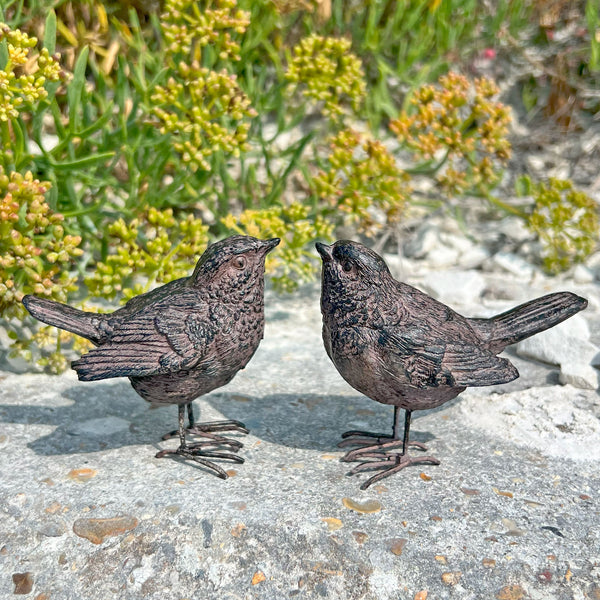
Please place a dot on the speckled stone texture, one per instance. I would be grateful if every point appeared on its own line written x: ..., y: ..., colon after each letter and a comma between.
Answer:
x: 87, y: 512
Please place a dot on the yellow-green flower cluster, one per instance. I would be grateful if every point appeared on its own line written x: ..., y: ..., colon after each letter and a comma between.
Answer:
x: 35, y: 252
x: 565, y: 221
x: 23, y: 74
x: 328, y: 73
x: 362, y: 175
x: 204, y: 110
x: 459, y: 124
x: 152, y: 249
x: 188, y: 27
x: 296, y: 227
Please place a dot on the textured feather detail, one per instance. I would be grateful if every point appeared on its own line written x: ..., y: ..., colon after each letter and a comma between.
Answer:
x: 122, y: 360
x: 65, y: 317
x: 527, y: 319
x: 470, y: 365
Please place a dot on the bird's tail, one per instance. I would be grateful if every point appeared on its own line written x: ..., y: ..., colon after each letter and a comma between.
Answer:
x: 65, y: 317
x: 528, y: 319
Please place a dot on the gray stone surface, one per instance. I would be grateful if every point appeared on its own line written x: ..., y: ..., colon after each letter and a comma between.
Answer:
x: 511, y: 512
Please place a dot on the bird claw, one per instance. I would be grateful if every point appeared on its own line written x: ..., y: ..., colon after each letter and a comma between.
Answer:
x: 206, y: 430
x: 390, y: 463
x: 194, y: 452
x: 379, y: 447
x: 368, y: 438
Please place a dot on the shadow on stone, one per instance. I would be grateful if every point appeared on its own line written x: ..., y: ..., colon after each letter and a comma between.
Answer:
x: 110, y: 415
x: 308, y: 421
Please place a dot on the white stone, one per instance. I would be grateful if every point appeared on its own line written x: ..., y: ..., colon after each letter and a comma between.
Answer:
x: 582, y: 274
x: 425, y: 240
x: 515, y: 229
x: 455, y: 287
x: 473, y: 257
x: 441, y: 257
x: 578, y: 374
x: 560, y: 343
x: 513, y: 264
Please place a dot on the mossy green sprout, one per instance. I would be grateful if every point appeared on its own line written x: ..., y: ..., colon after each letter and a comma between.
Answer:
x: 362, y: 184
x: 149, y: 250
x: 23, y: 72
x: 36, y: 254
x: 564, y: 219
x: 460, y: 130
x: 294, y: 224
x: 328, y: 73
x: 202, y: 106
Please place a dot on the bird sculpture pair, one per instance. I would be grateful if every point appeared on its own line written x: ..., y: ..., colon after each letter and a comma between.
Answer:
x: 387, y: 339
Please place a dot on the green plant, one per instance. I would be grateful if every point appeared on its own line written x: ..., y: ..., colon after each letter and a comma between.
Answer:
x: 150, y: 250
x: 296, y: 227
x: 564, y: 219
x: 35, y: 252
x: 327, y: 73
x: 457, y: 131
x: 361, y: 178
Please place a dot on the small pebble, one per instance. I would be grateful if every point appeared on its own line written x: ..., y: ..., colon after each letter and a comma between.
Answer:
x: 510, y: 592
x: 82, y: 475
x: 451, y: 577
x: 97, y: 530
x: 333, y: 524
x: 369, y: 506
x: 397, y: 546
x: 23, y: 583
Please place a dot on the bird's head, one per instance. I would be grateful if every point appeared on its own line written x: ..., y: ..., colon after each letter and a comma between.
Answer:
x: 235, y: 263
x: 350, y: 269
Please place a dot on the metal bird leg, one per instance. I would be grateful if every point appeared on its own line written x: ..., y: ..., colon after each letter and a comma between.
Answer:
x: 206, y: 430
x: 195, y: 451
x: 372, y: 441
x: 382, y: 458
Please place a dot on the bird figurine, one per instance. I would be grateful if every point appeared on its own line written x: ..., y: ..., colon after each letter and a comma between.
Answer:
x: 181, y: 340
x: 399, y: 346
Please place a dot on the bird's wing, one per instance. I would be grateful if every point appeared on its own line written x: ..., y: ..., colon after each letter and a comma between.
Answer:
x: 420, y: 362
x: 471, y: 365
x: 162, y: 339
x: 432, y: 364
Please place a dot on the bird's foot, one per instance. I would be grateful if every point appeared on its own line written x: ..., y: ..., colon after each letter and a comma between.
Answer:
x: 390, y: 463
x: 369, y: 442
x: 197, y: 454
x: 207, y: 430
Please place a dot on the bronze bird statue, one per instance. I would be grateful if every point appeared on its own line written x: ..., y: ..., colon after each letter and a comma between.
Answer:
x: 399, y: 346
x: 181, y: 340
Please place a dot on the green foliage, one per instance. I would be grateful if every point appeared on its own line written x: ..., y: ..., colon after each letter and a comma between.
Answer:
x: 360, y: 182
x: 459, y: 130
x: 35, y: 251
x: 328, y: 73
x: 152, y: 249
x: 296, y: 227
x: 565, y: 221
x: 205, y: 111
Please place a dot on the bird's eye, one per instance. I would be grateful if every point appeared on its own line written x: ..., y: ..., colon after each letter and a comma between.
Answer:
x: 239, y: 262
x: 347, y: 266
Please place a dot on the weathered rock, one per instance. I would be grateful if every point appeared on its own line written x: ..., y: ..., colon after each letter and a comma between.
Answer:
x: 455, y: 287
x: 513, y: 264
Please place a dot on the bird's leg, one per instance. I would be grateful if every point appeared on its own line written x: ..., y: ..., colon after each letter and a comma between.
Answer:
x: 194, y: 451
x: 371, y: 442
x: 388, y: 462
x: 207, y: 430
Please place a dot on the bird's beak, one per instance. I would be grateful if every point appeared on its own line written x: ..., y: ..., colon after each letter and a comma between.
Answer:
x: 325, y: 251
x: 268, y: 245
